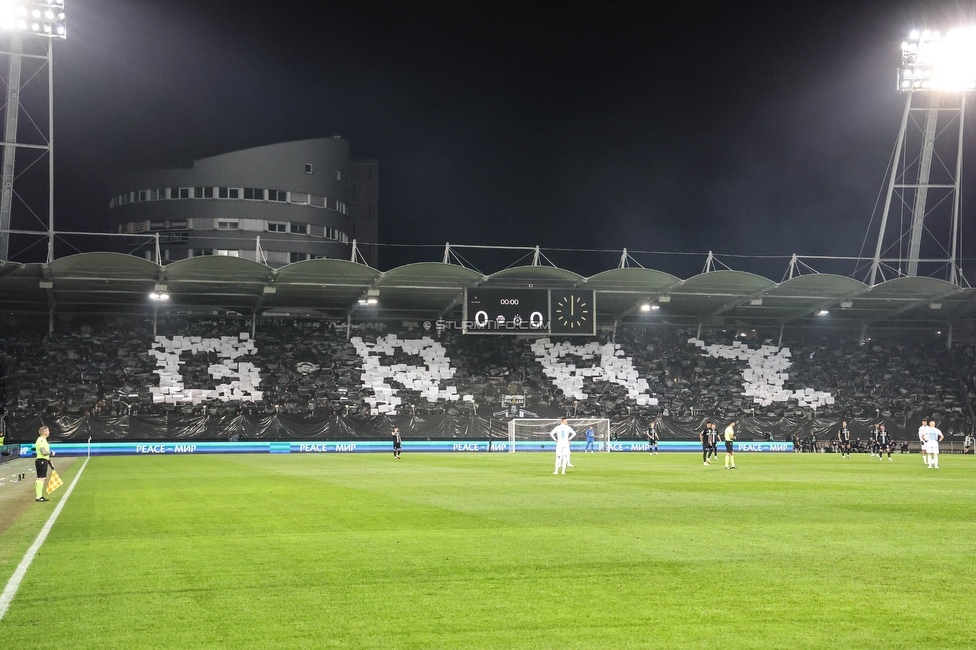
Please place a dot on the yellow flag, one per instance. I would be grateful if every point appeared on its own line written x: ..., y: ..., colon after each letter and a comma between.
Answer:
x: 54, y: 482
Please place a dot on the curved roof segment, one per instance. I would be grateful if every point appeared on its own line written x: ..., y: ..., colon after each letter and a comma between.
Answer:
x: 332, y: 288
x: 422, y: 289
x: 542, y: 277
x: 322, y: 285
x: 229, y: 282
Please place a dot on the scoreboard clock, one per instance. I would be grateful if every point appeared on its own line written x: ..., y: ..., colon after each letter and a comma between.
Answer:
x: 572, y: 312
x: 506, y: 311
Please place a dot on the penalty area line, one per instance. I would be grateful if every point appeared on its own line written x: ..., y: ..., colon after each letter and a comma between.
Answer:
x: 14, y: 583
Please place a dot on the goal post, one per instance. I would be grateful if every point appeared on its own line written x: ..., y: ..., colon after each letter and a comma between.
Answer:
x: 532, y: 434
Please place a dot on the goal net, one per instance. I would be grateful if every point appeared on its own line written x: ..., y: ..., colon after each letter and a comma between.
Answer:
x: 532, y: 434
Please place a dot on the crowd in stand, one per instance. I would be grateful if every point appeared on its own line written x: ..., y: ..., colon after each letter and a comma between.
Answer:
x: 104, y: 367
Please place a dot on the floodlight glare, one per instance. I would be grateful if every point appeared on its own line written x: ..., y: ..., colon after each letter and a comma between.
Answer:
x: 645, y: 307
x: 158, y: 296
x: 48, y: 17
x: 939, y: 63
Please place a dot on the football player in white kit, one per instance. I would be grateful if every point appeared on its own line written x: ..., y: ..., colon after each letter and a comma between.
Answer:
x: 923, y: 439
x: 562, y: 434
x: 932, y: 446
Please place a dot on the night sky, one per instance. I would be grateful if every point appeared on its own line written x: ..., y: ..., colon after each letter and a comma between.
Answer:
x: 750, y: 129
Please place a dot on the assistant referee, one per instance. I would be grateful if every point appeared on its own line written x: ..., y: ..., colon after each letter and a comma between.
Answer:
x: 44, y: 453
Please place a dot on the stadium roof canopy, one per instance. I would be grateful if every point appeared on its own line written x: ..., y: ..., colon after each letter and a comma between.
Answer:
x: 337, y: 289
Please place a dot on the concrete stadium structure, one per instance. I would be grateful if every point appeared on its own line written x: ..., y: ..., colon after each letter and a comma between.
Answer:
x: 275, y: 204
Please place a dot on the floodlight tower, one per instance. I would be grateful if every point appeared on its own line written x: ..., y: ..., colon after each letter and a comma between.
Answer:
x: 32, y: 25
x: 936, y: 74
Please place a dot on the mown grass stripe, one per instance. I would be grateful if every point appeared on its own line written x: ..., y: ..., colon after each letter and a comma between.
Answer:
x: 13, y: 584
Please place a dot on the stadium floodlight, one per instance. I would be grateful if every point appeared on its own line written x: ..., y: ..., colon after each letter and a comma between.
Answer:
x: 23, y: 21
x: 158, y: 296
x: 37, y: 17
x: 822, y: 312
x: 936, y: 74
x: 645, y: 307
x: 932, y: 62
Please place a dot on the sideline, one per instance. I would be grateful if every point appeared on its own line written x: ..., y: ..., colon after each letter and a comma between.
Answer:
x: 14, y: 583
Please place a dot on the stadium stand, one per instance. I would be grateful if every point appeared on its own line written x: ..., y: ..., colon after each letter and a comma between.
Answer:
x: 111, y: 367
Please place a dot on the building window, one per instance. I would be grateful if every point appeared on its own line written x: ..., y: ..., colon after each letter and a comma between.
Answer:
x: 299, y: 228
x: 317, y: 201
x: 141, y: 196
x: 223, y: 252
x: 338, y: 175
x: 297, y: 257
x: 253, y: 194
x: 228, y: 224
x: 277, y: 226
x: 203, y: 192
x: 184, y: 193
x: 228, y: 192
x: 277, y: 195
x: 308, y: 168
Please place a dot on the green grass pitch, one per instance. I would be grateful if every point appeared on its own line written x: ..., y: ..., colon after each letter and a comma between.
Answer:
x: 492, y: 550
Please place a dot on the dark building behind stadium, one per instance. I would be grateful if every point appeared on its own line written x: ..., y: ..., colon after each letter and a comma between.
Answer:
x: 276, y: 204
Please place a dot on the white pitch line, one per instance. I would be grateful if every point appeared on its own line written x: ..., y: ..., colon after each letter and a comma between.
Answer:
x: 14, y: 583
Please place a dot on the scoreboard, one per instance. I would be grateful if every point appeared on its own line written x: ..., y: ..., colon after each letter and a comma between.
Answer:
x: 529, y: 311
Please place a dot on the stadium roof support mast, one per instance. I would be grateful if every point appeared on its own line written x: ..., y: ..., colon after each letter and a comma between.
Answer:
x: 936, y: 74
x: 36, y: 21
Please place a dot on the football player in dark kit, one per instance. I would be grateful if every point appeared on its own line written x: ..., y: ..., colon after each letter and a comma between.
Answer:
x: 652, y: 439
x: 873, y: 439
x: 884, y: 443
x: 712, y: 440
x: 397, y: 442
x: 844, y: 437
x: 706, y: 445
